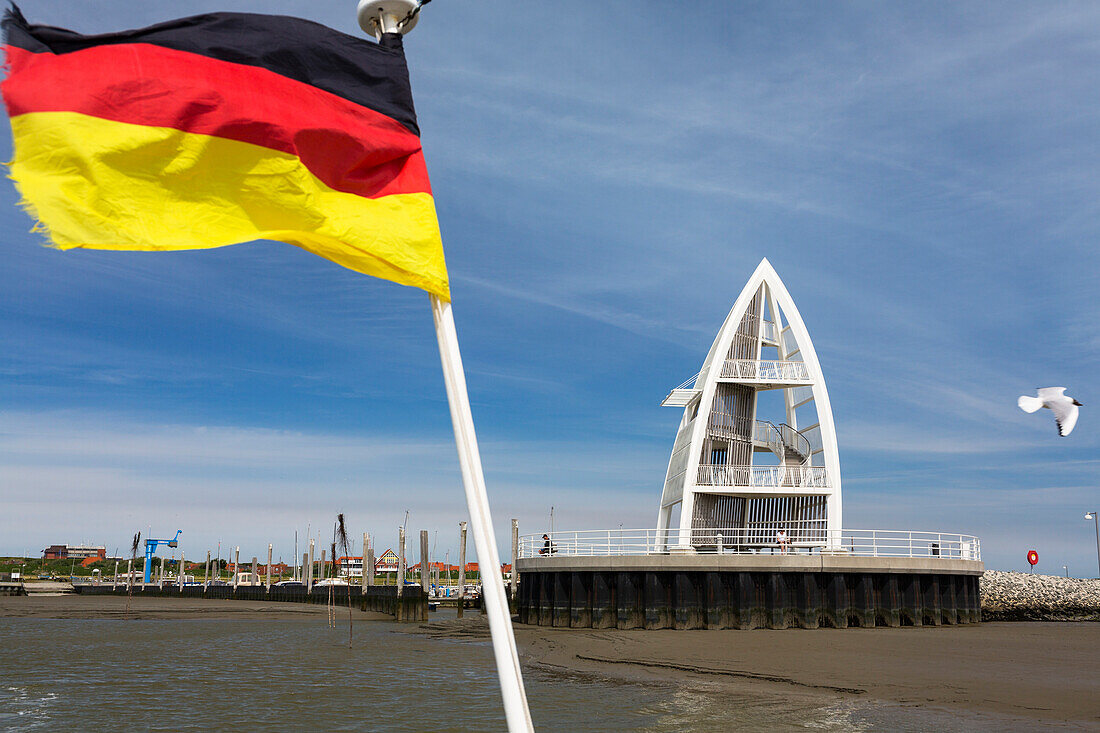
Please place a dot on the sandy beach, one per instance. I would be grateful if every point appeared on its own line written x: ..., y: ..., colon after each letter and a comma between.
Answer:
x: 76, y: 606
x: 1024, y: 673
x: 1039, y: 671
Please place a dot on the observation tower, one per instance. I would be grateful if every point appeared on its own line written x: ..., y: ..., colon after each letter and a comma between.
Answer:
x: 756, y: 451
x: 748, y: 530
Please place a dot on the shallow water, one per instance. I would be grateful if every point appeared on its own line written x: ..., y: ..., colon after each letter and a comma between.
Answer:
x: 296, y: 674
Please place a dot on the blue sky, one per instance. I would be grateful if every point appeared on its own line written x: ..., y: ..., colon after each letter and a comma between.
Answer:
x: 923, y: 177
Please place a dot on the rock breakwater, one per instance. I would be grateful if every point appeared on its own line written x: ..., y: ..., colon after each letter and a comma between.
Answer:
x: 1013, y: 596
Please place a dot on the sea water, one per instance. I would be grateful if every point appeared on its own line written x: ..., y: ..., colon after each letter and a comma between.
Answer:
x: 298, y: 674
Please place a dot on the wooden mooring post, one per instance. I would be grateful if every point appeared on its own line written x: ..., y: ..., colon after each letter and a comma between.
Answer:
x: 515, y: 556
x: 309, y: 567
x: 368, y: 565
x: 206, y: 574
x: 400, y: 561
x: 179, y: 575
x: 461, y: 567
x: 366, y: 544
x: 425, y: 572
x: 269, y: 548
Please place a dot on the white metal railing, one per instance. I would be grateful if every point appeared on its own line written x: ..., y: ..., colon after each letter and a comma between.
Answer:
x: 803, y: 538
x: 766, y: 371
x: 781, y: 439
x: 794, y: 440
x: 769, y: 332
x: 813, y: 477
x: 764, y: 432
x: 688, y: 383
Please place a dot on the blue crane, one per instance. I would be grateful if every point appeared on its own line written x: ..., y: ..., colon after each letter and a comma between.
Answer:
x: 151, y: 548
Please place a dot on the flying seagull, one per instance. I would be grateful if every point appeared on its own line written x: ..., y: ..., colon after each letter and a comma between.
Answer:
x: 1054, y: 398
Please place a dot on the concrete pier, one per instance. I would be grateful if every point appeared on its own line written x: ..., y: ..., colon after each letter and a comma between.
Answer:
x: 747, y: 591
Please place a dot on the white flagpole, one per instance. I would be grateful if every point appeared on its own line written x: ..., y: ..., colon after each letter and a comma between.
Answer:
x: 492, y: 585
x: 399, y: 16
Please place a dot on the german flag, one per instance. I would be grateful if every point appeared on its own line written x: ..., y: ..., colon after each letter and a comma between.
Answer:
x: 220, y: 129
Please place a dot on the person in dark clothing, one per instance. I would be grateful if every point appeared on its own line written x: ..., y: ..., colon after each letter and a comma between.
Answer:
x: 547, y: 547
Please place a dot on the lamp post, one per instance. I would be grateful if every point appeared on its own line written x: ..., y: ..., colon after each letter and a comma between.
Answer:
x: 1096, y: 522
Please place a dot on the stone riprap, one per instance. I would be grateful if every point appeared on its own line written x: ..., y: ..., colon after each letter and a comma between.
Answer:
x: 1013, y: 596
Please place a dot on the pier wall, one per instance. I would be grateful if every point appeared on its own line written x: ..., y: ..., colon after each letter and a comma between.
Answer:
x: 411, y: 606
x: 595, y: 593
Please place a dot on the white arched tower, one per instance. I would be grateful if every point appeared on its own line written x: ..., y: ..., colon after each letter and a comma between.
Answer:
x: 756, y: 450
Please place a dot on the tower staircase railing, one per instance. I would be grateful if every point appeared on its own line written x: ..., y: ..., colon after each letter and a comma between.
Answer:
x: 769, y: 333
x: 782, y: 440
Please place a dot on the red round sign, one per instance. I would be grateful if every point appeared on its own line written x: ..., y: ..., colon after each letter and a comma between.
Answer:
x: 1033, y: 557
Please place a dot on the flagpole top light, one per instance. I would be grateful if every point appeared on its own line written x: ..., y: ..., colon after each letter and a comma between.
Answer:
x: 384, y: 16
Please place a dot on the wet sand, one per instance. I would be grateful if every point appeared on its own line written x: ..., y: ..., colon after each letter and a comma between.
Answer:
x: 114, y: 607
x: 1026, y: 672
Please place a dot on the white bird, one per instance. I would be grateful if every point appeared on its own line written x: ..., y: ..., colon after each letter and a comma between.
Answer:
x: 1054, y: 399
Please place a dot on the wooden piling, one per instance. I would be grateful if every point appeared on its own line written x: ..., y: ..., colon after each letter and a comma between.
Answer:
x: 366, y: 544
x: 236, y: 567
x: 206, y: 573
x: 368, y: 565
x: 269, y: 547
x: 461, y: 567
x: 309, y: 566
x: 400, y: 561
x: 160, y: 578
x: 179, y: 575
x: 425, y: 572
x: 515, y: 556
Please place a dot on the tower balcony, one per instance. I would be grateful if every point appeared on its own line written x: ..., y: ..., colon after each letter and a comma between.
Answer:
x: 773, y: 480
x: 682, y: 395
x: 763, y: 372
x: 757, y: 372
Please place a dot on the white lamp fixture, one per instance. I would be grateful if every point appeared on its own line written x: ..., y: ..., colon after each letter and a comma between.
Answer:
x: 384, y: 16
